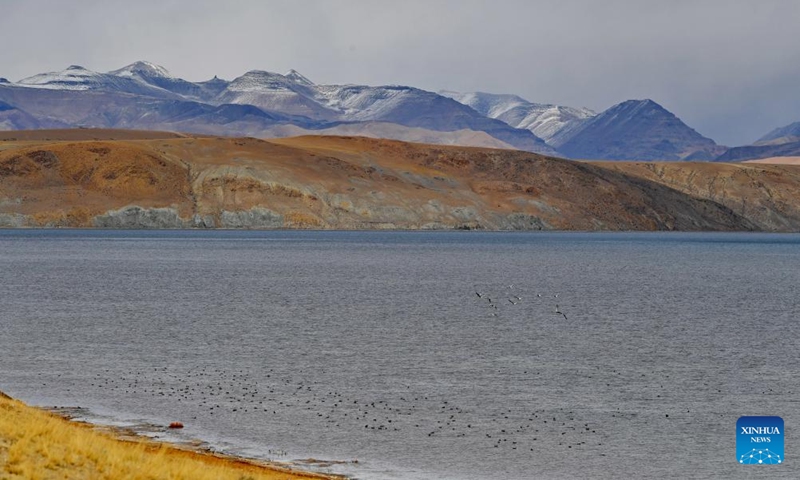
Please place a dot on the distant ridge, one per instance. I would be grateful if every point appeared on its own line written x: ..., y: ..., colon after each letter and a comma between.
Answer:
x: 789, y: 133
x: 753, y: 152
x: 780, y: 142
x: 13, y: 118
x: 638, y: 130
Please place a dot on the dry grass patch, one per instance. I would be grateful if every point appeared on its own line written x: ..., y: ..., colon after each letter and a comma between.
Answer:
x: 39, y: 445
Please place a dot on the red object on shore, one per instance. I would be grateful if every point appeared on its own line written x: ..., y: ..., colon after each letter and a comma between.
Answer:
x: 176, y: 425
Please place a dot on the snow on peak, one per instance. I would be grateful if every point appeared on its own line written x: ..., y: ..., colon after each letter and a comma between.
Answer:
x: 633, y: 108
x: 142, y: 69
x: 546, y: 121
x: 73, y: 77
x: 361, y: 102
x: 297, y: 77
x: 260, y: 81
x: 489, y: 104
x: 76, y: 77
x: 637, y: 103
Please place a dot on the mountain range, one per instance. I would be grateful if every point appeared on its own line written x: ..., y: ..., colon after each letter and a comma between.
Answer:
x: 265, y: 104
x: 781, y: 142
x: 552, y: 123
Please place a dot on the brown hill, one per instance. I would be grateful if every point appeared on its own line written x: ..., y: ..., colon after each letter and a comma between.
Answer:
x: 163, y: 180
x: 765, y: 195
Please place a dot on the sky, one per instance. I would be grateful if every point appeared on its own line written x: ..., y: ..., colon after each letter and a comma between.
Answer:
x: 729, y: 68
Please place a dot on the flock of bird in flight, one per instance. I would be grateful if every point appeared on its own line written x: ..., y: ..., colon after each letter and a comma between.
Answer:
x: 514, y: 299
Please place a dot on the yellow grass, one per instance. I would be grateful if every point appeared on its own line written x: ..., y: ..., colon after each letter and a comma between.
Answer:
x: 35, y: 444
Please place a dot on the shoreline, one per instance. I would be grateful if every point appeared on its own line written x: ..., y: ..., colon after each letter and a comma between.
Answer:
x: 31, y: 442
x: 4, y: 228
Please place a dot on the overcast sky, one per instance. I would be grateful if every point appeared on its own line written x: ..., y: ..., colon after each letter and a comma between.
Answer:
x: 728, y: 68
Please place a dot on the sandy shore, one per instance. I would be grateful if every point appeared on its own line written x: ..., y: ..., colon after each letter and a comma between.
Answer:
x: 35, y: 443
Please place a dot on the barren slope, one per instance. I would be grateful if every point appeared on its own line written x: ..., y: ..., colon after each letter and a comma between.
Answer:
x: 162, y: 180
x: 766, y: 195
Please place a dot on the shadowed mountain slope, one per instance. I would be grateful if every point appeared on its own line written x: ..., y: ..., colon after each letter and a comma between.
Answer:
x: 638, y: 130
x: 752, y: 152
x: 788, y: 134
x: 781, y: 142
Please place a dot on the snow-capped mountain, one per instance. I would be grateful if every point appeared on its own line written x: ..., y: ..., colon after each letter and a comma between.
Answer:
x: 142, y: 71
x: 78, y: 78
x: 297, y: 78
x: 411, y: 107
x: 159, y: 77
x: 552, y: 123
x: 490, y: 104
x: 73, y: 77
x: 261, y: 103
x: 145, y: 95
x: 276, y: 92
x: 638, y: 130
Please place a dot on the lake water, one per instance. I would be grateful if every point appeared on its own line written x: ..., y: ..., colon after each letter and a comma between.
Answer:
x: 375, y: 346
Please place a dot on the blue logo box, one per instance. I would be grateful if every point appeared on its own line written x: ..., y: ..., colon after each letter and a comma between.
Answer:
x: 759, y: 440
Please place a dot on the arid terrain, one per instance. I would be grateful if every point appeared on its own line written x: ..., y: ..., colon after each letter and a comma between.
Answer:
x: 135, y: 179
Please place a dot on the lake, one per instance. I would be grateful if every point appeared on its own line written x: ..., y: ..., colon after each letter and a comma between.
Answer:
x: 422, y: 355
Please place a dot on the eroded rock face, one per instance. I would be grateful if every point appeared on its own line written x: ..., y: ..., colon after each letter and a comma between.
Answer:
x: 522, y: 221
x: 203, y: 221
x: 140, y: 218
x: 255, y: 218
x: 13, y: 220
